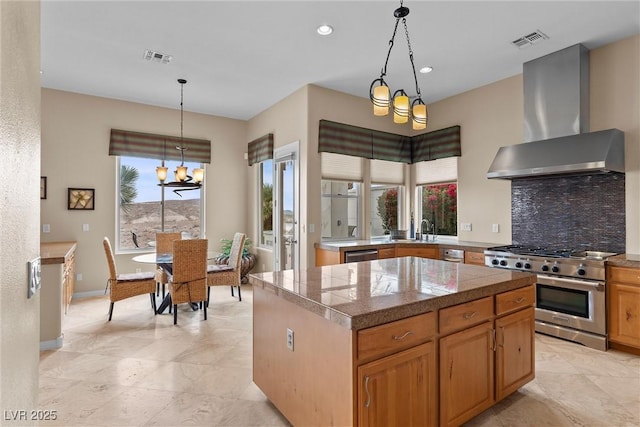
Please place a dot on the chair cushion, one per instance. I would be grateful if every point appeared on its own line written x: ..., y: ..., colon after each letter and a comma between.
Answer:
x: 144, y: 275
x: 215, y: 268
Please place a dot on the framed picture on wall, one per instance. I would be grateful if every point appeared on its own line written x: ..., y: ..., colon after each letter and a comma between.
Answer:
x: 81, y: 199
x: 43, y: 187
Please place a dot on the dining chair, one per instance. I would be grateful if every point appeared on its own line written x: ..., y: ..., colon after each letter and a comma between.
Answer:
x: 228, y: 274
x: 164, y: 245
x: 127, y: 285
x: 188, y: 281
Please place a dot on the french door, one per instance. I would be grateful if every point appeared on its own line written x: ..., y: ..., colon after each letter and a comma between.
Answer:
x: 286, y: 207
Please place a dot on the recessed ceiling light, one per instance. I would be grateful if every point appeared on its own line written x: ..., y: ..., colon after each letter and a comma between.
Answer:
x: 325, y: 30
x: 425, y: 70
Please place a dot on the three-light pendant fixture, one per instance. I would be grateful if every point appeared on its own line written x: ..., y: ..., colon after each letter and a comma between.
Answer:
x: 379, y: 91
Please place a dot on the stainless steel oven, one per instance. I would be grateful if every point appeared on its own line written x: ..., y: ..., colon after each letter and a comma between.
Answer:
x: 572, y: 309
x: 570, y: 290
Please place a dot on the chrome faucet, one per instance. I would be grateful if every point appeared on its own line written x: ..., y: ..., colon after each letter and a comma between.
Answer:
x: 424, y: 230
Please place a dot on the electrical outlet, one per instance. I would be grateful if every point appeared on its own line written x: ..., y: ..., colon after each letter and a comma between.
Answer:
x: 465, y: 226
x: 46, y: 228
x: 312, y: 228
x: 289, y: 339
x: 85, y: 227
x: 495, y: 228
x: 79, y: 277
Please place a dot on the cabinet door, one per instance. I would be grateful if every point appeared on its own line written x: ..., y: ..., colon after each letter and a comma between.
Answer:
x: 624, y: 314
x: 466, y: 374
x: 476, y: 258
x: 424, y: 252
x: 515, y: 358
x: 399, y: 390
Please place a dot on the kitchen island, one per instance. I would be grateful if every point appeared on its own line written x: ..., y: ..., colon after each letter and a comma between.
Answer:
x: 402, y: 341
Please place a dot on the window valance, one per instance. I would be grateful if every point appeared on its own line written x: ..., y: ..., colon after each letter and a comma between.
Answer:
x: 436, y: 145
x: 148, y: 145
x: 351, y: 140
x: 260, y: 149
x: 340, y: 138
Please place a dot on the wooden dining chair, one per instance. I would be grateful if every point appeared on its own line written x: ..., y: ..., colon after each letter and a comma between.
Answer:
x: 127, y: 285
x: 188, y: 282
x: 164, y: 245
x: 228, y: 274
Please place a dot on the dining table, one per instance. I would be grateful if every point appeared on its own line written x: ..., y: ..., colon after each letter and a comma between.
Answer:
x: 165, y: 261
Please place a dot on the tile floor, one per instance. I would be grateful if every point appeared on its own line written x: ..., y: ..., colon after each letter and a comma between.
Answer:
x: 141, y: 370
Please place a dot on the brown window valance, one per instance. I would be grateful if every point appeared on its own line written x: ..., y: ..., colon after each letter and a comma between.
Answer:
x: 260, y: 149
x: 351, y: 140
x: 152, y: 146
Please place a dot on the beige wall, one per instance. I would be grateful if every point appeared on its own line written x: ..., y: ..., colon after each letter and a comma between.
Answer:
x: 19, y: 191
x: 75, y: 146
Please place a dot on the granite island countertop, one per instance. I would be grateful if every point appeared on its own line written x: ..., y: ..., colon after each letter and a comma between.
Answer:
x: 365, y: 294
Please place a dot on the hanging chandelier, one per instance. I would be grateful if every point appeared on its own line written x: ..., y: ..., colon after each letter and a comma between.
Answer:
x: 379, y: 90
x: 183, y: 181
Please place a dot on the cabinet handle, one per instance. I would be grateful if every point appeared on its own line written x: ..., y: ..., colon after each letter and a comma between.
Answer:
x: 519, y: 300
x: 502, y: 335
x: 403, y: 336
x: 451, y: 369
x: 629, y: 315
x: 469, y: 315
x: 366, y: 388
x: 493, y: 336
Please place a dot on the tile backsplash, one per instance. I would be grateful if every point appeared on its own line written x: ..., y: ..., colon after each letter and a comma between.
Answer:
x: 570, y: 212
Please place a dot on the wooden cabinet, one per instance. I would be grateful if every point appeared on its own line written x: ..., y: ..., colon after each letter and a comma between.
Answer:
x: 515, y: 360
x: 423, y: 252
x: 399, y: 389
x: 384, y: 253
x: 624, y: 307
x: 466, y: 374
x: 476, y: 258
x: 327, y: 257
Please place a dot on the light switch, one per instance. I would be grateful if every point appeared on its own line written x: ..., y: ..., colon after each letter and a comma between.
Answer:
x: 312, y: 228
x: 465, y: 226
x: 85, y: 227
x: 495, y: 228
x: 46, y: 228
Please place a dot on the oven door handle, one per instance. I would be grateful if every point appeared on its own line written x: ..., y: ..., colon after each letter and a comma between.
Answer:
x: 572, y: 283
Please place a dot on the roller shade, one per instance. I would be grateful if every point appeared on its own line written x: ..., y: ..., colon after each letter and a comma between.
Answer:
x: 260, y: 149
x: 340, y: 167
x: 437, y: 171
x: 385, y: 172
x: 152, y: 146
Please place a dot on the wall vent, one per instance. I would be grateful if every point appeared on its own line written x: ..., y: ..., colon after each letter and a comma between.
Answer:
x: 530, y: 39
x: 152, y: 56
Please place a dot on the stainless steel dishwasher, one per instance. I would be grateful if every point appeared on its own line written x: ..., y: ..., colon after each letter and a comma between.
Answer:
x: 452, y: 255
x: 361, y: 255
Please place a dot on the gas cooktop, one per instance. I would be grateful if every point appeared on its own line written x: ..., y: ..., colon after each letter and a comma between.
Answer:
x: 552, y: 253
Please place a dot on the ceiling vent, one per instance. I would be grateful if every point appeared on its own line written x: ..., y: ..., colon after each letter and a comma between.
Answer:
x: 152, y: 56
x: 530, y: 39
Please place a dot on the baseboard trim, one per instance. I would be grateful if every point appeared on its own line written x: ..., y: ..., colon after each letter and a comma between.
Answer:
x: 51, y: 344
x: 88, y: 294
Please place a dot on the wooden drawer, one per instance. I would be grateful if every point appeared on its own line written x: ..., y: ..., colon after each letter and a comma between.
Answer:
x: 430, y: 252
x: 625, y: 275
x: 465, y: 315
x: 399, y: 335
x: 515, y: 300
x: 474, y: 258
x: 386, y: 253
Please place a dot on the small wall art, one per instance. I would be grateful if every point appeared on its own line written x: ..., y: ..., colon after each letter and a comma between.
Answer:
x: 81, y: 199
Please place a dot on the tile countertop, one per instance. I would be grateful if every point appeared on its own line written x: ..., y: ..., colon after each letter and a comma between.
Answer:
x: 364, y: 294
x: 442, y: 242
x: 56, y: 252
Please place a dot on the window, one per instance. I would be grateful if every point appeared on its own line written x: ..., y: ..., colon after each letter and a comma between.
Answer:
x: 437, y: 195
x: 340, y: 209
x: 140, y: 209
x: 265, y: 177
x: 386, y: 207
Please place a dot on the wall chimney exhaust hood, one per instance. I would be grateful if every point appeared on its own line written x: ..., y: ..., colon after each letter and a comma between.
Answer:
x: 556, y: 123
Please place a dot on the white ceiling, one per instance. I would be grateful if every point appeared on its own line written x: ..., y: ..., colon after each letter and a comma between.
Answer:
x: 240, y: 57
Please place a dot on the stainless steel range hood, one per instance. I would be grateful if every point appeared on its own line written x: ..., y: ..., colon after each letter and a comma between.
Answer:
x: 556, y: 112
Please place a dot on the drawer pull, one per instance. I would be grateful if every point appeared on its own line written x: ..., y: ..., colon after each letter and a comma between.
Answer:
x: 403, y: 336
x: 366, y: 388
x: 519, y: 300
x: 469, y: 315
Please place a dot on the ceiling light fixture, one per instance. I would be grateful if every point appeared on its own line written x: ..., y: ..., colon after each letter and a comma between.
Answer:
x: 379, y: 90
x: 425, y: 70
x: 325, y: 30
x: 183, y: 182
